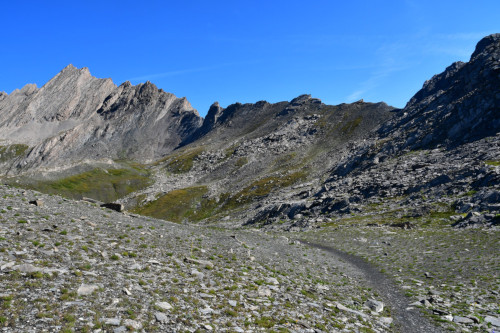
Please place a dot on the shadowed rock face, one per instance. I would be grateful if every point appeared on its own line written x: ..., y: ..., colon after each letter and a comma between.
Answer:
x: 76, y: 116
x: 457, y: 106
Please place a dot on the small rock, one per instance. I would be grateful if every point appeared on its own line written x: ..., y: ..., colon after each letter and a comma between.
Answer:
x: 27, y: 268
x: 164, y: 305
x: 111, y: 321
x: 385, y: 320
x: 233, y: 303
x: 132, y: 323
x: 272, y: 281
x: 87, y: 289
x: 135, y: 266
x: 126, y: 291
x: 7, y: 265
x: 448, y: 317
x: 207, y: 327
x: 264, y: 292
x: 492, y: 320
x: 161, y: 318
x: 37, y: 202
x: 462, y: 320
x: 374, y: 305
x: 199, y: 275
x: 204, y: 263
x: 206, y: 310
x: 114, y: 206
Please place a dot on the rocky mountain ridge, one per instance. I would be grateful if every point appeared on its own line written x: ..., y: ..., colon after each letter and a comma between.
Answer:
x: 76, y: 117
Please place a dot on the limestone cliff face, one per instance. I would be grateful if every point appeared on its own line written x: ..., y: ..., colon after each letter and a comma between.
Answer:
x: 76, y: 117
x: 31, y: 115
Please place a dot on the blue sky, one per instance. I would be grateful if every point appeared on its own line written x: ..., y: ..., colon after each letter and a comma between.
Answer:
x: 246, y: 51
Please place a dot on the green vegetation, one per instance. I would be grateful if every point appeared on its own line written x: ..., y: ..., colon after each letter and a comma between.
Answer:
x: 176, y: 205
x: 12, y: 151
x: 182, y: 162
x: 241, y: 162
x: 350, y: 126
x: 193, y: 204
x: 104, y: 185
x: 262, y: 187
x: 492, y: 163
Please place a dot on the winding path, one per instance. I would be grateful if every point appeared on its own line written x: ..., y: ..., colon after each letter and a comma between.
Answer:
x: 405, y: 321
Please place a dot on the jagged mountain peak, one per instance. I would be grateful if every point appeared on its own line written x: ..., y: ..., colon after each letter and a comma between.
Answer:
x: 489, y: 45
x: 77, y: 116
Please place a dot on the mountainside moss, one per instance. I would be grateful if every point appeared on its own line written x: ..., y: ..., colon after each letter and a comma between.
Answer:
x: 100, y: 184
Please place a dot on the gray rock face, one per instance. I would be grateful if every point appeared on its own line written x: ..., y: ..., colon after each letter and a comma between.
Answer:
x: 457, y: 106
x: 77, y: 117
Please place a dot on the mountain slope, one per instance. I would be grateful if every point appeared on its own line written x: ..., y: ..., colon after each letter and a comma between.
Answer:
x: 439, y: 154
x: 76, y: 117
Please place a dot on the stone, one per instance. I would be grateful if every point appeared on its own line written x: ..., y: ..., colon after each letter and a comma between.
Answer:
x: 386, y: 320
x: 132, y: 323
x: 114, y: 206
x: 27, y: 268
x: 199, y: 275
x: 495, y: 321
x: 87, y: 289
x: 204, y: 263
x: 264, y: 292
x: 344, y: 308
x: 161, y: 318
x: 272, y: 280
x: 462, y: 320
x: 374, y: 305
x: 233, y: 303
x: 135, y: 266
x: 164, y: 305
x: 206, y: 310
x: 111, y: 321
x: 447, y: 317
x: 7, y: 265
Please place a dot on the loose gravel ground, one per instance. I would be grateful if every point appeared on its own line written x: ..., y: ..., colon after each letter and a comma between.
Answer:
x: 452, y: 275
x: 73, y: 266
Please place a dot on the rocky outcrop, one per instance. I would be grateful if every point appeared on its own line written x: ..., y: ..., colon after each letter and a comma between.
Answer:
x: 77, y: 117
x: 457, y: 106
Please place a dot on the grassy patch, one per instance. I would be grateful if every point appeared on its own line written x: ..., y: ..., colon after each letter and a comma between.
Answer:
x: 350, y: 126
x: 182, y: 162
x: 241, y: 162
x: 263, y: 187
x: 492, y: 163
x: 12, y: 151
x: 179, y: 204
x: 104, y: 185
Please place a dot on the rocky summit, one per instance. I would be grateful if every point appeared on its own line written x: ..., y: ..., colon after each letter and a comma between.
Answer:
x: 122, y: 209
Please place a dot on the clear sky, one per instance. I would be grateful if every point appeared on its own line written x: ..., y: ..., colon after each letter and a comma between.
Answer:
x: 246, y: 51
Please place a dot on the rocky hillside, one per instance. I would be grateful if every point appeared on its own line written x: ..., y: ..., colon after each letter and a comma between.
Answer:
x: 440, y: 153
